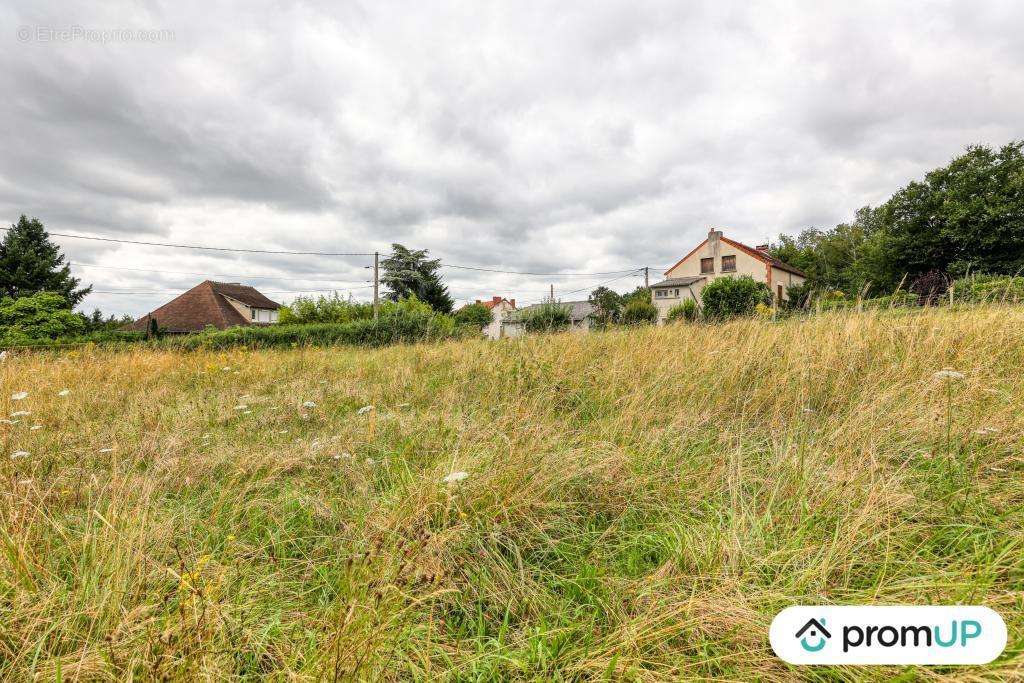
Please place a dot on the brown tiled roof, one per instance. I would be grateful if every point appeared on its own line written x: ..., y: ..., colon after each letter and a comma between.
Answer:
x: 244, y: 293
x: 205, y: 304
x: 762, y: 256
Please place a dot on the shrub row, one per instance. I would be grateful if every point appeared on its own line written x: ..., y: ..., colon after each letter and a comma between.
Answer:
x: 392, y: 328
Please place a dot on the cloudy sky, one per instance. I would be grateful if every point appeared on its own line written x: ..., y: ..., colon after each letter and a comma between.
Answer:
x: 529, y: 136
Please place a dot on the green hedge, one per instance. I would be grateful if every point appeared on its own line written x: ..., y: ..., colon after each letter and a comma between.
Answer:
x: 393, y: 328
x: 988, y: 288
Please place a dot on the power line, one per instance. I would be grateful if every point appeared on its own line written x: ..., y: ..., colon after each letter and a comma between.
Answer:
x: 269, y: 291
x: 318, y: 253
x: 193, y: 246
x: 525, y: 272
x: 184, y: 272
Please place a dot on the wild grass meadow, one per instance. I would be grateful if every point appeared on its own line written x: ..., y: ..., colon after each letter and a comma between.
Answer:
x: 633, y: 505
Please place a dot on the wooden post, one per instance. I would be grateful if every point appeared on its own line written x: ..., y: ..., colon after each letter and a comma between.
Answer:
x: 376, y: 283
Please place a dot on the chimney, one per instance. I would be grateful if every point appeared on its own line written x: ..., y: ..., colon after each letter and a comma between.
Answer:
x: 713, y: 242
x: 478, y: 301
x: 763, y: 247
x: 513, y: 302
x: 495, y: 300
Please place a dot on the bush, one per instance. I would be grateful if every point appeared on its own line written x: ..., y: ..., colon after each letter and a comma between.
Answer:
x: 727, y: 297
x: 684, y: 311
x: 988, y: 288
x: 42, y: 316
x: 549, y: 317
x: 797, y: 296
x: 476, y: 316
x: 639, y: 312
x: 324, y: 309
x: 394, y: 327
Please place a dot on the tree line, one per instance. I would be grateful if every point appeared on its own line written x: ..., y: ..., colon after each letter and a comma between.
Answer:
x: 964, y: 218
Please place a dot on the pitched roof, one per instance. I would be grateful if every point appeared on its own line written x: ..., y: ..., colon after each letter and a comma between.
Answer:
x: 678, y: 281
x: 205, y: 304
x: 762, y: 256
x: 578, y: 310
x: 495, y: 300
x: 244, y: 293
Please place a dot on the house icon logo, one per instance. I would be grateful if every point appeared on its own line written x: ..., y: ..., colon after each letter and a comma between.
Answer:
x: 814, y: 631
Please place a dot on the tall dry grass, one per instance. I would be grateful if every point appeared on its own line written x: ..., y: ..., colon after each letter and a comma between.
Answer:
x: 638, y: 506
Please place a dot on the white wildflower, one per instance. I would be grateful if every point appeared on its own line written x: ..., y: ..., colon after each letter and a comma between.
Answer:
x: 403, y: 405
x: 105, y: 450
x: 19, y: 454
x: 20, y: 413
x: 35, y: 428
x: 25, y: 482
x: 226, y: 368
x: 246, y: 412
x: 997, y: 469
x: 283, y: 431
x: 948, y: 373
x: 364, y: 410
x: 19, y: 396
x: 309, y: 404
x: 370, y: 461
x: 3, y: 356
x: 63, y: 392
x: 455, y: 477
x: 5, y: 421
x: 241, y: 406
x: 336, y: 456
x: 810, y: 410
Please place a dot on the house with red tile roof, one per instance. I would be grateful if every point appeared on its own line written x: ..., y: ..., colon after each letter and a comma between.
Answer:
x: 220, y: 304
x: 718, y: 256
x: 499, y: 307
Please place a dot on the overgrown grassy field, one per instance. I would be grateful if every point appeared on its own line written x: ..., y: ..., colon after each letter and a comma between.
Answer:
x: 638, y: 506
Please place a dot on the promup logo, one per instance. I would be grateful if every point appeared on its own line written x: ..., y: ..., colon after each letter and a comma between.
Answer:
x: 817, y: 630
x: 888, y: 635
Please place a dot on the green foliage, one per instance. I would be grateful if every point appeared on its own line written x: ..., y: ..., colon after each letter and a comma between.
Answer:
x: 988, y: 288
x: 727, y: 297
x: 399, y: 325
x: 548, y: 317
x: 31, y: 263
x: 639, y: 312
x: 836, y: 300
x: 41, y: 316
x: 687, y: 310
x: 410, y: 273
x: 965, y: 216
x: 476, y: 316
x: 641, y: 293
x: 97, y: 323
x: 607, y: 305
x: 323, y: 309
x: 798, y: 296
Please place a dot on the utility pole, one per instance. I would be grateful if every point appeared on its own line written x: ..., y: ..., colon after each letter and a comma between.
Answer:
x: 552, y: 293
x: 647, y: 277
x: 376, y: 283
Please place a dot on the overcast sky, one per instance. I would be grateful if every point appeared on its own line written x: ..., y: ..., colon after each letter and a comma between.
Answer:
x: 538, y: 136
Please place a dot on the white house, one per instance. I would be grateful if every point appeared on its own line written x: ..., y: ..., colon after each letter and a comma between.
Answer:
x: 719, y: 256
x: 581, y: 318
x: 500, y: 307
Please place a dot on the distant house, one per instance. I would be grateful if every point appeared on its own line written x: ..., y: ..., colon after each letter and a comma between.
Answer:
x: 719, y: 256
x: 500, y: 308
x: 581, y: 318
x: 220, y: 304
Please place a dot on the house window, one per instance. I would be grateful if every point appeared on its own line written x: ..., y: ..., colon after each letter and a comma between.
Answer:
x: 707, y: 266
x: 659, y: 293
x: 264, y: 315
x: 728, y: 264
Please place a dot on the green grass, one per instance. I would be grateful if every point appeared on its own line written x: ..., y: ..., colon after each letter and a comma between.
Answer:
x: 639, y: 505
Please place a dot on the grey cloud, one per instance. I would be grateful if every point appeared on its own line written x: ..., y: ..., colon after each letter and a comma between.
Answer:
x: 526, y: 136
